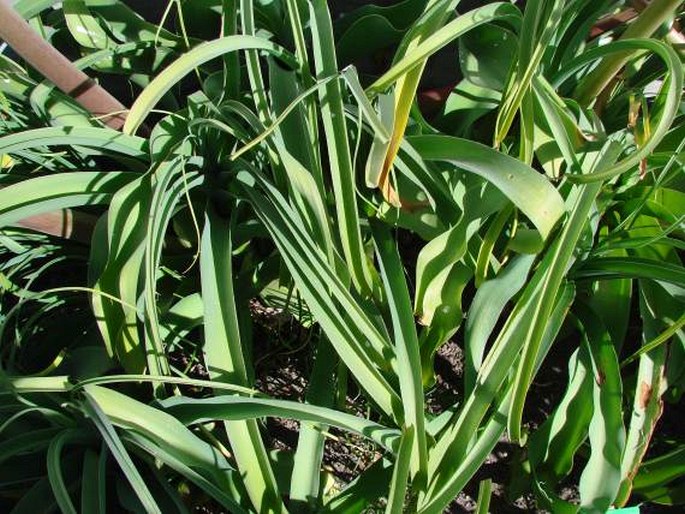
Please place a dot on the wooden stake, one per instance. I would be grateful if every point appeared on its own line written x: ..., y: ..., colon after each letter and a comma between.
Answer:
x: 54, y: 66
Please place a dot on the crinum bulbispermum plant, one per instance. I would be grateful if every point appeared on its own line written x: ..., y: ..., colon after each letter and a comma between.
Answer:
x: 268, y: 167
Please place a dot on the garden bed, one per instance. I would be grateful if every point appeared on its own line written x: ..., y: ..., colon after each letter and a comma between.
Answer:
x: 301, y: 256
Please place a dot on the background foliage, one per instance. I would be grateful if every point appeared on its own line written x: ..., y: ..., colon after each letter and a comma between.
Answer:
x: 541, y: 206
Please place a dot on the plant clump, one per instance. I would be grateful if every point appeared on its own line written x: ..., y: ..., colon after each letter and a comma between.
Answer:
x: 424, y: 256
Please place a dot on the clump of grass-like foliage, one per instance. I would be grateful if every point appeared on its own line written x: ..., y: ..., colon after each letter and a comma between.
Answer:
x: 546, y: 197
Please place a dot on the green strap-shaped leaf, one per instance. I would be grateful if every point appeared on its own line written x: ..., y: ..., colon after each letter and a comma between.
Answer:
x: 94, y: 489
x: 364, y: 490
x: 83, y: 26
x: 223, y: 351
x: 190, y: 411
x: 171, y: 184
x: 452, y: 474
x: 49, y: 193
x: 29, y: 442
x: 400, y: 473
x: 656, y: 14
x: 485, y: 311
x: 225, y: 496
x: 337, y: 142
x: 125, y: 24
x: 608, y: 268
x: 39, y: 496
x: 442, y: 37
x: 554, y: 113
x: 661, y: 470
x: 486, y: 55
x: 356, y: 339
x: 484, y: 496
x: 305, y: 481
x: 671, y: 90
x: 531, y: 192
x: 540, y: 22
x: 611, y: 300
x: 54, y: 465
x: 434, y: 16
x: 124, y: 243
x: 406, y: 348
x: 102, y: 139
x: 166, y: 432
x: 553, y: 446
x: 433, y: 265
x: 606, y: 432
x: 96, y: 406
x: 189, y: 61
x: 561, y: 255
x: 657, y: 307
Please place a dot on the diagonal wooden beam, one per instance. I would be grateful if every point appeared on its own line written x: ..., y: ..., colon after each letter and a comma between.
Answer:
x: 54, y: 66
x: 67, y: 223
